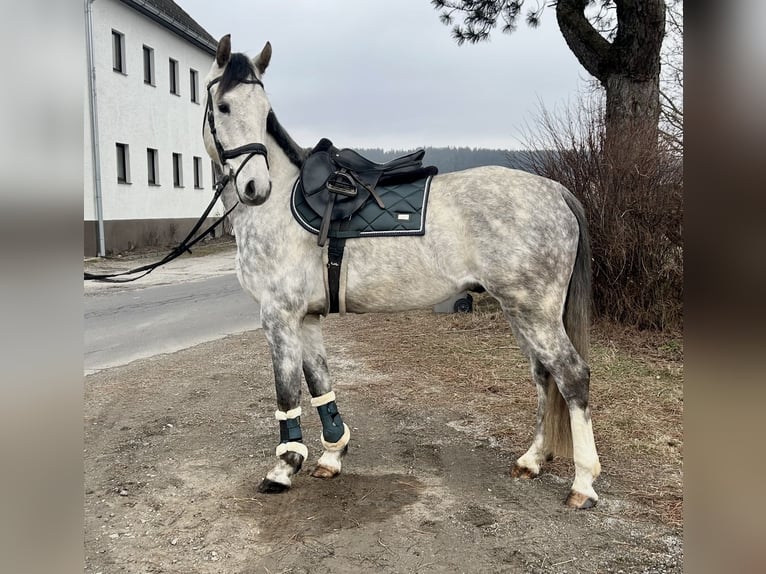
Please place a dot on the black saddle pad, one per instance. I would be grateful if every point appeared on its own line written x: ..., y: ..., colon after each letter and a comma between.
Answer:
x: 404, y: 212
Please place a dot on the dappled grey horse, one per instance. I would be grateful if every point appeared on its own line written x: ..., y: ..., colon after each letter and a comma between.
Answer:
x: 520, y: 237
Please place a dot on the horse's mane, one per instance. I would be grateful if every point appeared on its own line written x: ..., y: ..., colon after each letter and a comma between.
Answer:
x: 295, y: 153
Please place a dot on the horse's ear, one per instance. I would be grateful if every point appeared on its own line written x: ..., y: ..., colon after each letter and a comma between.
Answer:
x: 224, y: 51
x: 262, y: 60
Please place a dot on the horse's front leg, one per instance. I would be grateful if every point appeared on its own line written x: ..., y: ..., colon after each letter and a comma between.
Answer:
x: 283, y: 332
x: 335, y: 433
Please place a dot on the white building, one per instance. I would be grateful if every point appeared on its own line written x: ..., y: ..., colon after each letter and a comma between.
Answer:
x: 147, y: 175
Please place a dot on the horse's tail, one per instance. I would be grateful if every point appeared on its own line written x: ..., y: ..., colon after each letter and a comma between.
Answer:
x: 557, y: 429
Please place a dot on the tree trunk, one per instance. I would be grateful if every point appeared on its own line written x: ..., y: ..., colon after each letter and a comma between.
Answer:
x: 632, y: 116
x: 628, y: 68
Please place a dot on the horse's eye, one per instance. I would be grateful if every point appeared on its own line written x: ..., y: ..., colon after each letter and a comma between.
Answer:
x: 224, y: 108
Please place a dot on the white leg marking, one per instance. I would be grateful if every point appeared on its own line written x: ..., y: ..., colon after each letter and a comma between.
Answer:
x: 331, y: 457
x: 281, y: 473
x: 587, y: 465
x: 331, y: 460
x: 534, y: 456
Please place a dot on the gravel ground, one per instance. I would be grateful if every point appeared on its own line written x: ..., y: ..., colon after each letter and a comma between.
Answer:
x: 176, y: 445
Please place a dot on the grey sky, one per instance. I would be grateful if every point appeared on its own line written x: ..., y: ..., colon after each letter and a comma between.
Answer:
x: 375, y: 73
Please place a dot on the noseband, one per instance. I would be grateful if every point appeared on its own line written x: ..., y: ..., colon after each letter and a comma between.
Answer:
x: 252, y: 149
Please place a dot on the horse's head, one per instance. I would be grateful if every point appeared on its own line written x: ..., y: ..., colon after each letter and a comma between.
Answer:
x: 236, y: 112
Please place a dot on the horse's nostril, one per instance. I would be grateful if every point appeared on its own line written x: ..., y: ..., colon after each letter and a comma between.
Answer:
x: 250, y: 188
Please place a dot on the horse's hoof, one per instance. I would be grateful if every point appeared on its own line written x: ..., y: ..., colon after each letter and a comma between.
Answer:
x: 579, y: 501
x: 270, y: 487
x: 522, y: 472
x: 324, y: 472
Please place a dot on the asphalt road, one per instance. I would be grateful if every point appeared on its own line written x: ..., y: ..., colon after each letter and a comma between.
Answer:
x: 125, y: 324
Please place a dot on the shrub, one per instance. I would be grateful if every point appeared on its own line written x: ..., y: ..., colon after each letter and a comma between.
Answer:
x: 633, y: 198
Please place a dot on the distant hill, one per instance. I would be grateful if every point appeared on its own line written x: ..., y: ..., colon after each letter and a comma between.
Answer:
x: 456, y: 158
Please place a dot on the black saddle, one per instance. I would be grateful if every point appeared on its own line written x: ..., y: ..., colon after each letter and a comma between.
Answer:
x: 338, y: 182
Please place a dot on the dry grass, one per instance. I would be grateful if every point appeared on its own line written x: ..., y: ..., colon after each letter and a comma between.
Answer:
x: 472, y: 365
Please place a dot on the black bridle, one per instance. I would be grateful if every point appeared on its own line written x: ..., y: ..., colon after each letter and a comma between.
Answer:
x: 252, y: 149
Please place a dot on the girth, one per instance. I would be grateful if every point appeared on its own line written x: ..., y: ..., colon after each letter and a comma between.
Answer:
x: 334, y: 262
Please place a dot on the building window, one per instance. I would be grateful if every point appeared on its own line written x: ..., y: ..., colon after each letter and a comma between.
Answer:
x: 148, y: 65
x: 123, y: 163
x: 197, y: 173
x: 178, y: 173
x: 193, y: 83
x: 152, y: 166
x: 173, y: 68
x: 118, y: 51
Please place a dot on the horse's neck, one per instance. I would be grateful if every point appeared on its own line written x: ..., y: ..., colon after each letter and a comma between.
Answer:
x: 283, y: 174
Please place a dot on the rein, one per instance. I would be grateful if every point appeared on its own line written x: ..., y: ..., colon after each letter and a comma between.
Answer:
x: 183, y: 247
x: 252, y: 149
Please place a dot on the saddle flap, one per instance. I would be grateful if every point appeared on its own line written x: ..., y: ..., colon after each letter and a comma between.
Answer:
x: 315, y: 172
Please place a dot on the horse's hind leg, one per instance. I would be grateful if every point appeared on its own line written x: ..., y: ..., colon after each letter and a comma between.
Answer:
x: 528, y: 465
x: 282, y: 329
x: 335, y: 433
x: 548, y: 344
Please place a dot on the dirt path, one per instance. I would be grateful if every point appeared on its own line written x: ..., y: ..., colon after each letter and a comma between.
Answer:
x: 176, y: 444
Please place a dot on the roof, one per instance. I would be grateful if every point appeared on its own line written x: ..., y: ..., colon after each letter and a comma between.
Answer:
x: 170, y: 15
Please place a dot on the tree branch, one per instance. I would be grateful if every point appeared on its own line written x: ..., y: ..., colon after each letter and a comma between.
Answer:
x: 675, y: 110
x: 588, y: 46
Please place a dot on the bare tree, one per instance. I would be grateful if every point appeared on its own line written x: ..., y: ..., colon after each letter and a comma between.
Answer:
x: 672, y: 78
x: 618, y: 42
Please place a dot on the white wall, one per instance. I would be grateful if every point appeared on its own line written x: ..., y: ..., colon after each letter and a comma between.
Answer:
x: 143, y: 116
